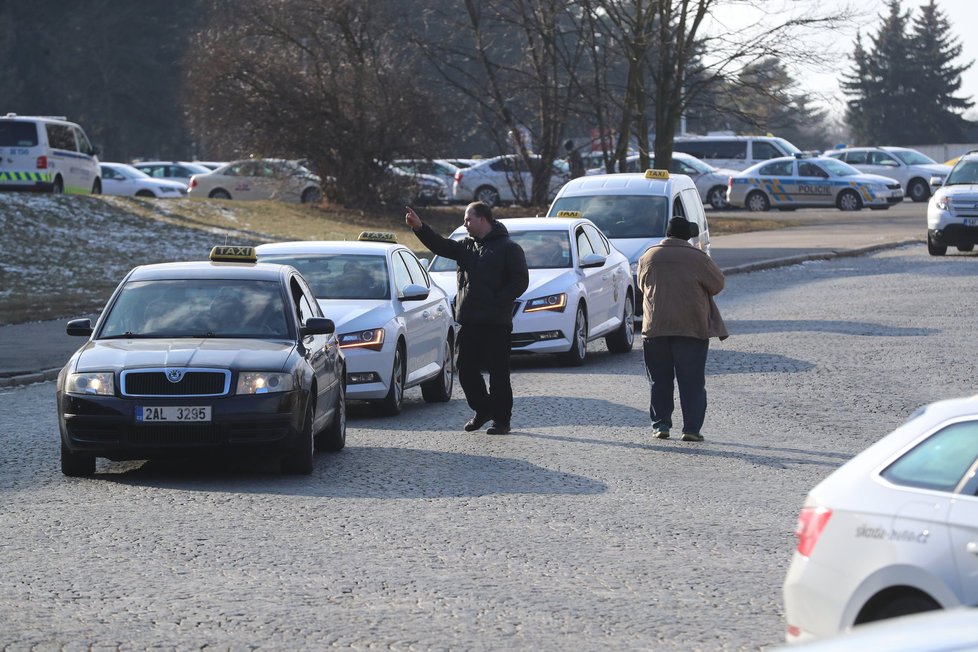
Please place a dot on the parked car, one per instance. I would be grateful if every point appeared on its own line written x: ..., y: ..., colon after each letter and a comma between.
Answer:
x: 893, y: 531
x: 800, y: 182
x: 908, y: 166
x: 266, y: 178
x: 171, y: 170
x: 734, y: 152
x: 710, y: 181
x: 46, y: 154
x: 211, y: 165
x: 952, y: 213
x: 126, y: 181
x: 503, y: 179
x: 407, y: 187
x: 439, y: 168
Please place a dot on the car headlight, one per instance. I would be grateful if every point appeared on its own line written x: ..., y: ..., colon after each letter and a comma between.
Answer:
x: 555, y: 302
x: 264, y: 382
x: 99, y: 383
x: 369, y: 338
x: 942, y: 202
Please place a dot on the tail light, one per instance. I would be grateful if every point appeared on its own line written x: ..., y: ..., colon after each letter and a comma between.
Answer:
x: 193, y: 182
x: 811, y: 522
x: 729, y: 182
x: 458, y: 176
x: 42, y: 162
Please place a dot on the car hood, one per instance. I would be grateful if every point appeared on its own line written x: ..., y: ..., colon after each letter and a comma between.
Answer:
x: 871, y: 178
x: 633, y: 248
x: 357, y: 313
x: 104, y: 355
x: 961, y: 191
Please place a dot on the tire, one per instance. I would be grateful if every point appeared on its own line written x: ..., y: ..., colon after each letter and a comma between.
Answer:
x: 716, y: 197
x: 621, y: 340
x: 901, y: 606
x: 966, y: 248
x: 757, y: 202
x: 439, y: 388
x: 299, y: 461
x: 848, y: 200
x: 97, y: 187
x: 59, y: 186
x: 918, y: 190
x: 311, y: 196
x: 391, y: 404
x: 487, y: 195
x: 145, y: 193
x: 76, y: 465
x: 219, y: 194
x: 578, y: 351
x: 935, y: 249
x: 333, y: 438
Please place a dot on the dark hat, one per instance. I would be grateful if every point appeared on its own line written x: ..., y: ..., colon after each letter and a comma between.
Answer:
x: 679, y: 228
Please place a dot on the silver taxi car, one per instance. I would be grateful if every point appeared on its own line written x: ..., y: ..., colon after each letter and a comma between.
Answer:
x: 798, y: 182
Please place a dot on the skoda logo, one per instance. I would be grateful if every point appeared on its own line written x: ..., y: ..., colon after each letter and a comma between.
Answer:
x: 174, y: 375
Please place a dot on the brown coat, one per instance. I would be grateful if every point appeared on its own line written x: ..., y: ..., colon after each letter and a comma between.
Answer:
x: 678, y: 282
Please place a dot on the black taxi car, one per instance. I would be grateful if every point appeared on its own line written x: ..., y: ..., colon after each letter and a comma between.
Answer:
x: 219, y: 357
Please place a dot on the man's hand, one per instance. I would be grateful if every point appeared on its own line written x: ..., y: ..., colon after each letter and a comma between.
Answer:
x: 411, y: 218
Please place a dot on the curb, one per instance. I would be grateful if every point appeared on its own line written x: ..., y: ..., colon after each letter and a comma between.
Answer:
x: 29, y: 379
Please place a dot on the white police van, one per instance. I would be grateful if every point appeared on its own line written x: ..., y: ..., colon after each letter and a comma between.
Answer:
x: 47, y: 154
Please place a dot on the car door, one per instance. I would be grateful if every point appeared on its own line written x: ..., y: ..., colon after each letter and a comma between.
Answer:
x: 886, y: 165
x: 693, y: 208
x: 417, y: 328
x: 320, y: 351
x: 814, y: 185
x: 615, y: 277
x: 776, y: 179
x: 435, y: 315
x: 114, y: 183
x: 596, y: 282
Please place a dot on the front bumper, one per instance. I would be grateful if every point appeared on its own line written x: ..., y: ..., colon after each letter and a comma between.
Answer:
x: 544, y: 331
x: 954, y: 235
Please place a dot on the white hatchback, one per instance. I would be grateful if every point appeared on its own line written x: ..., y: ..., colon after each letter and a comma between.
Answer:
x: 395, y: 326
x: 580, y: 288
x: 893, y: 531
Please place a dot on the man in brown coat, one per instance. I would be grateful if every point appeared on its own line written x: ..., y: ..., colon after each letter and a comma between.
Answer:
x: 678, y: 282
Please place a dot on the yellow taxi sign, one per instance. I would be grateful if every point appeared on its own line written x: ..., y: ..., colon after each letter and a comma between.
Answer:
x: 569, y: 214
x: 377, y: 236
x: 233, y: 254
x: 657, y: 174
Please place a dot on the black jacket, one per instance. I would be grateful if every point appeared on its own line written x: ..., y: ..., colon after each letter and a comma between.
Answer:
x: 492, y: 274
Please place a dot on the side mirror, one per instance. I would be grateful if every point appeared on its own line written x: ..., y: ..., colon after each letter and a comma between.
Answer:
x: 414, y: 292
x: 425, y: 262
x: 592, y: 260
x: 936, y: 182
x: 318, y: 326
x: 79, y: 327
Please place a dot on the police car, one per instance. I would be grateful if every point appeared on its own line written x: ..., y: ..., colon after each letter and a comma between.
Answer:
x: 395, y: 326
x: 201, y: 358
x: 893, y: 531
x: 580, y: 288
x: 46, y: 154
x: 952, y: 214
x: 799, y: 181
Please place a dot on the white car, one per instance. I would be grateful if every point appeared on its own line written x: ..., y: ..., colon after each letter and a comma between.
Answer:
x: 908, y: 166
x: 952, y: 214
x: 180, y: 171
x: 443, y: 169
x: 126, y: 181
x: 894, y: 531
x: 263, y: 178
x: 502, y: 179
x: 580, y: 288
x: 710, y: 181
x: 395, y: 326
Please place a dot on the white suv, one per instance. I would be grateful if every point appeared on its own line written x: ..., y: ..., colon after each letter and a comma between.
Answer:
x: 46, y: 154
x: 952, y: 214
x: 908, y: 166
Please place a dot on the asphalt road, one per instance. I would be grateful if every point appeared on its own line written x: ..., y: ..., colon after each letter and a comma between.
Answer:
x: 578, y: 531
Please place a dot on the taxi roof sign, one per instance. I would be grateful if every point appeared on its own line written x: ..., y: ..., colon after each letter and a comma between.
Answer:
x: 233, y: 254
x: 569, y: 214
x: 377, y: 236
x: 657, y: 174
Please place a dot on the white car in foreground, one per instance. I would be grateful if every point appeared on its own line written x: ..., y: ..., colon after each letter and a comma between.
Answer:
x: 580, y: 288
x: 126, y: 181
x: 395, y: 326
x: 894, y: 531
x: 952, y: 214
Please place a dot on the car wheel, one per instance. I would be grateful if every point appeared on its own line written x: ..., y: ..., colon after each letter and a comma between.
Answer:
x: 97, y: 187
x: 219, y: 194
x: 76, y: 465
x: 59, y: 186
x: 488, y: 195
x: 391, y: 404
x: 757, y: 202
x: 333, y: 438
x: 439, y: 388
x: 849, y: 201
x: 935, y: 249
x: 918, y: 190
x: 621, y: 340
x: 900, y: 606
x: 717, y: 197
x: 145, y: 193
x: 299, y: 461
x: 970, y: 247
x: 578, y: 351
x: 312, y: 195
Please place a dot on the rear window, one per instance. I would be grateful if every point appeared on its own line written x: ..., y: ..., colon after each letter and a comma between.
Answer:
x: 14, y: 133
x: 940, y: 461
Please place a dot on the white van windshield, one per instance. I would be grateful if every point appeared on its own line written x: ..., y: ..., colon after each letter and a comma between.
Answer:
x: 620, y: 216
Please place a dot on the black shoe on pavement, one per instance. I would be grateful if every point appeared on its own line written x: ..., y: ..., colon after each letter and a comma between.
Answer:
x: 498, y: 428
x: 476, y: 422
x: 692, y: 436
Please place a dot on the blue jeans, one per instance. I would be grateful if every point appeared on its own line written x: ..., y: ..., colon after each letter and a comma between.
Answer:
x: 682, y: 359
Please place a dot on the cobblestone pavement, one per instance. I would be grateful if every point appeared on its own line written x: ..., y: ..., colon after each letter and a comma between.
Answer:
x: 577, y: 531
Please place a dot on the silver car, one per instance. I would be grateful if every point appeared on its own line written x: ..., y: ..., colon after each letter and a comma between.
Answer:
x: 711, y: 182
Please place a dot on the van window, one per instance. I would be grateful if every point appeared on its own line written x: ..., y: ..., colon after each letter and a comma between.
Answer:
x: 691, y: 147
x: 17, y: 134
x: 84, y: 146
x: 677, y: 208
x: 762, y: 151
x: 620, y: 216
x: 61, y: 137
x: 733, y: 149
x: 856, y: 158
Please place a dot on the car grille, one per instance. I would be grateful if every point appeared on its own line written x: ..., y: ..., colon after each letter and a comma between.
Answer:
x: 191, y: 382
x: 893, y: 186
x: 965, y: 206
x: 175, y: 435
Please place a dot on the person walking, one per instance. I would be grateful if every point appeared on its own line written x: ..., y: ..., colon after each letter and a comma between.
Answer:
x: 492, y: 274
x: 678, y: 282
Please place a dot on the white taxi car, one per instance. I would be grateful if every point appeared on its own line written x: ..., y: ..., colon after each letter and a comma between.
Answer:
x: 952, y: 214
x: 395, y: 326
x: 580, y: 288
x: 893, y: 531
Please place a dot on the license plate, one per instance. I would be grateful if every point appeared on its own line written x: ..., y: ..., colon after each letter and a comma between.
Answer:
x: 971, y: 221
x: 174, y: 413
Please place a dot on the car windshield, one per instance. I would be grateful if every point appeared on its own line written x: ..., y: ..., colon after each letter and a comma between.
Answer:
x: 838, y: 168
x: 544, y: 249
x: 911, y: 157
x: 620, y: 216
x: 130, y: 172
x: 964, y: 173
x: 442, y: 264
x: 786, y: 146
x: 198, y: 308
x: 695, y: 163
x: 339, y: 276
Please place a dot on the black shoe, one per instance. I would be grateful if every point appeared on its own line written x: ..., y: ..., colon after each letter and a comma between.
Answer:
x: 498, y: 428
x: 692, y: 436
x: 476, y: 422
